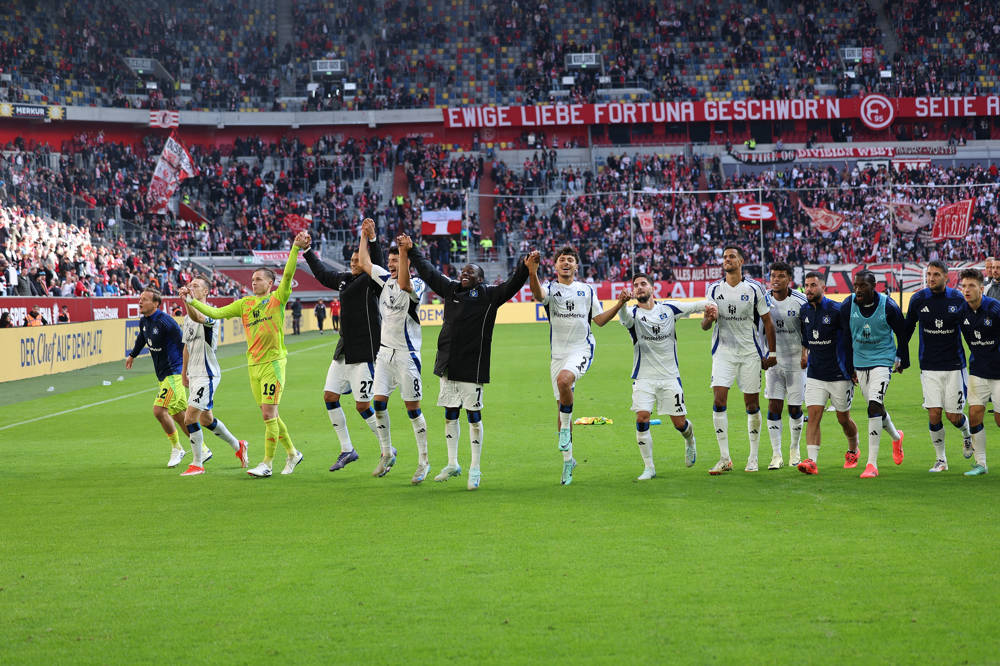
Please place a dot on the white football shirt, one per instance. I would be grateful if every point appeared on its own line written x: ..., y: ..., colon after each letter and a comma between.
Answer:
x: 570, y: 307
x: 201, y: 341
x: 740, y: 310
x: 787, y: 329
x: 654, y: 338
x: 400, y: 322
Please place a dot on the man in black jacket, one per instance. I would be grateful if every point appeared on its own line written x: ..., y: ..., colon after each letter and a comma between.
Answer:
x: 354, y: 357
x: 463, y: 355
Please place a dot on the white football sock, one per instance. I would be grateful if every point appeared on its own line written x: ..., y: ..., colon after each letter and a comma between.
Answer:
x: 476, y: 432
x: 222, y: 432
x: 451, y: 434
x: 339, y: 422
x: 963, y: 425
x: 645, y: 439
x: 383, y: 432
x: 795, y: 430
x: 688, y: 432
x: 979, y: 446
x: 812, y: 450
x: 753, y: 429
x: 937, y: 439
x: 889, y: 427
x: 565, y: 419
x: 721, y: 421
x: 196, y: 437
x: 420, y: 432
x: 774, y: 433
x: 874, y: 436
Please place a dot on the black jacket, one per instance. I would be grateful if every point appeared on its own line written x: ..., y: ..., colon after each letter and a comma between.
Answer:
x: 469, y: 316
x: 360, y: 325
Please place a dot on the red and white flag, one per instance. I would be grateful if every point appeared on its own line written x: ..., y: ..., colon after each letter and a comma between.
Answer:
x: 297, y: 223
x: 823, y: 219
x: 755, y: 212
x: 164, y: 118
x: 440, y: 222
x: 645, y: 220
x: 175, y: 164
x: 952, y: 221
x: 911, y: 217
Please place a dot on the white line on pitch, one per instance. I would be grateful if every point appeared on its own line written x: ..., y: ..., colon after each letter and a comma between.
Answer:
x: 127, y: 395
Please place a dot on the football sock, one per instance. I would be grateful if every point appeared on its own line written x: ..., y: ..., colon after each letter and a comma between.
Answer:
x: 285, y: 438
x: 175, y: 440
x: 565, y: 416
x: 196, y: 436
x: 222, y: 432
x: 451, y: 434
x: 812, y: 450
x: 270, y: 439
x: 687, y: 432
x: 419, y: 424
x: 874, y: 435
x: 476, y: 433
x: 339, y: 423
x: 963, y: 425
x: 774, y: 432
x: 979, y: 444
x: 795, y: 430
x: 382, y: 430
x: 369, y: 416
x: 645, y: 439
x: 937, y: 439
x: 753, y: 429
x: 721, y: 421
x: 889, y: 427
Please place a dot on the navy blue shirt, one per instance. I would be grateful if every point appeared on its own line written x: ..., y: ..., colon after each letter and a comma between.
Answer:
x: 823, y: 336
x: 893, y: 317
x: 163, y: 336
x: 939, y: 315
x: 981, y: 329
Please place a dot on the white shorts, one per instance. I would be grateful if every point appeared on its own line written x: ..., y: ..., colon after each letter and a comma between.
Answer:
x: 667, y: 395
x: 981, y: 389
x: 840, y: 394
x: 466, y: 395
x: 874, y: 383
x: 944, y: 389
x: 577, y: 362
x: 201, y: 392
x: 744, y: 371
x: 396, y: 367
x: 358, y: 378
x: 783, y: 385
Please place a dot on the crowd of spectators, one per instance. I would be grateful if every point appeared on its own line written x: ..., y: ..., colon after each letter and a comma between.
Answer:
x: 224, y: 55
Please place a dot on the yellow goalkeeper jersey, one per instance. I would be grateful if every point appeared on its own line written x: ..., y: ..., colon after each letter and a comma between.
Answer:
x: 263, y: 316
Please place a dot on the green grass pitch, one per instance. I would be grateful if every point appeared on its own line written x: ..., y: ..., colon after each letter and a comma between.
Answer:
x: 108, y: 557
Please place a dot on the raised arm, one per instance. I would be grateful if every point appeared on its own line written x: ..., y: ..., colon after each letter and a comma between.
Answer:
x: 185, y: 293
x: 234, y: 309
x: 284, y: 290
x: 404, y: 244
x: 439, y: 284
x: 609, y: 314
x: 364, y: 255
x: 533, y: 260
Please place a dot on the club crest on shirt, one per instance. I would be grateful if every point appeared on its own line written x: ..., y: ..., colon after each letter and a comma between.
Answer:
x: 663, y: 315
x: 745, y: 297
x: 474, y: 293
x: 987, y: 322
x: 826, y: 319
x: 952, y: 308
x: 791, y: 313
x: 155, y: 330
x: 579, y: 293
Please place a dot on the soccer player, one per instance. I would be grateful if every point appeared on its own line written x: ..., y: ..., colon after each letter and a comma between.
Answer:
x: 870, y: 320
x: 398, y: 360
x: 263, y: 314
x: 463, y: 353
x: 784, y: 380
x: 570, y: 306
x: 981, y: 327
x: 656, y: 380
x: 737, y: 355
x: 353, y: 366
x: 824, y: 351
x: 937, y: 308
x: 201, y: 375
x: 162, y: 335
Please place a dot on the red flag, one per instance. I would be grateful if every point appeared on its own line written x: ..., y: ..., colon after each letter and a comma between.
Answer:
x: 952, y: 221
x: 910, y: 217
x: 645, y: 220
x: 296, y: 223
x: 164, y: 118
x: 754, y: 212
x: 440, y: 222
x: 824, y: 220
x: 175, y: 164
